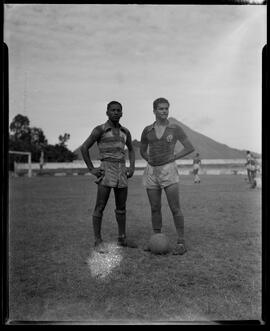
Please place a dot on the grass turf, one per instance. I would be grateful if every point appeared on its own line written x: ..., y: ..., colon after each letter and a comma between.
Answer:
x: 219, y: 278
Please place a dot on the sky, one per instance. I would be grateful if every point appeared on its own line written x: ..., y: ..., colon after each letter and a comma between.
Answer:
x: 67, y: 61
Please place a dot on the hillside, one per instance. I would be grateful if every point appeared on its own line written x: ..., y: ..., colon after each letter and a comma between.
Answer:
x: 207, y: 147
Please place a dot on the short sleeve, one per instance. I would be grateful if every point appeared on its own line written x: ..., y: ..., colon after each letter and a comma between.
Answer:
x: 96, y: 133
x: 126, y: 131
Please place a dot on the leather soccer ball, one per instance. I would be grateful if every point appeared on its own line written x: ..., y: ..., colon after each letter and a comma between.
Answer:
x: 159, y: 244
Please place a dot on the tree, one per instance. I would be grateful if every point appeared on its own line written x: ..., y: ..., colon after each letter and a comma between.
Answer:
x: 63, y: 139
x: 19, y: 123
x: 58, y: 153
x: 26, y: 138
x: 20, y: 127
x: 32, y: 139
x: 37, y: 137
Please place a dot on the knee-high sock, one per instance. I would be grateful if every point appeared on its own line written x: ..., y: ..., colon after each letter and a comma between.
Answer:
x: 156, y: 222
x: 97, y: 227
x: 179, y: 225
x: 121, y: 222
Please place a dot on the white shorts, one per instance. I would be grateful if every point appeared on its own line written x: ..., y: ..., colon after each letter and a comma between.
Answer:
x: 156, y: 177
x: 251, y: 167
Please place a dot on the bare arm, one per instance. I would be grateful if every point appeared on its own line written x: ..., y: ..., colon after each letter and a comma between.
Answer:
x: 89, y: 142
x: 131, y: 155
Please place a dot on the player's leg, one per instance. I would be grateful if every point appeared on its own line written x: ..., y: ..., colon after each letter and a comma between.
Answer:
x: 253, y: 179
x: 198, y: 177
x: 103, y: 193
x: 172, y: 193
x: 120, y: 195
x: 249, y: 176
x: 154, y: 196
x: 194, y: 174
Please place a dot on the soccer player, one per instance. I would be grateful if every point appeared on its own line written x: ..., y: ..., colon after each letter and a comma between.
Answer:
x: 196, y: 168
x: 253, y: 166
x: 111, y: 140
x: 41, y: 160
x: 157, y: 148
x: 247, y: 164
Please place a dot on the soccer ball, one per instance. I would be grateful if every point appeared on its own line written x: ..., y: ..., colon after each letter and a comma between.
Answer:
x: 159, y: 244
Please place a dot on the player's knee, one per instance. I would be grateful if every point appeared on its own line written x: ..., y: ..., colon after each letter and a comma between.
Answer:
x: 120, y: 211
x: 99, y: 210
x: 155, y: 209
x: 176, y: 211
x: 98, y: 213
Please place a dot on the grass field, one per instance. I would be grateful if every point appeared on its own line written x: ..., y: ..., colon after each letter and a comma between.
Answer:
x: 55, y: 276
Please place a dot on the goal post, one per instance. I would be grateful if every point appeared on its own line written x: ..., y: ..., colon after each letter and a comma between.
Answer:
x: 29, y: 162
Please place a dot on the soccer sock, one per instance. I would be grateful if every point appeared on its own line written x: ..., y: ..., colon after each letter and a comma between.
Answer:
x: 156, y: 222
x: 97, y: 227
x: 121, y: 221
x: 179, y: 225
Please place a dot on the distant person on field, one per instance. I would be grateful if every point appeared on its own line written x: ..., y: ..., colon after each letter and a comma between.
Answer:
x: 157, y: 148
x: 111, y: 140
x: 196, y: 168
x: 247, y: 164
x: 257, y: 176
x: 41, y: 160
x: 253, y: 164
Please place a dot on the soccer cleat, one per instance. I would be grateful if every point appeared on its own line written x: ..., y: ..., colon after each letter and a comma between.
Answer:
x: 179, y: 249
x: 99, y: 247
x: 124, y: 242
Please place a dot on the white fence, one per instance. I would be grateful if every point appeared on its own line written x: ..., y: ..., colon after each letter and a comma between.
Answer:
x: 138, y: 164
x: 208, y: 166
